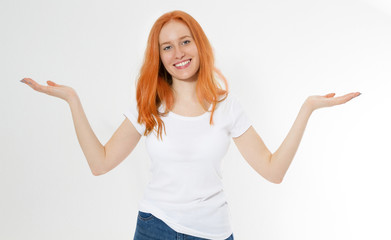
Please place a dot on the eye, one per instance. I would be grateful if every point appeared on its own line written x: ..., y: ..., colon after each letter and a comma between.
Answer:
x: 186, y: 42
x: 166, y: 48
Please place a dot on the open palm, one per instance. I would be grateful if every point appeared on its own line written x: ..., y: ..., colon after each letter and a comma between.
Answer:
x: 329, y: 100
x: 53, y: 89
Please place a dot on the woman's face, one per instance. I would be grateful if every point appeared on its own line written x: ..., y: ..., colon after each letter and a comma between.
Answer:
x: 178, y: 51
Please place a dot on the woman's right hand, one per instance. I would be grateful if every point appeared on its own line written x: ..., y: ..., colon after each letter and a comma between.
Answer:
x: 53, y: 89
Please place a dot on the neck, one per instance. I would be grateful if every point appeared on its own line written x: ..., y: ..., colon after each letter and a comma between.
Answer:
x: 184, y: 90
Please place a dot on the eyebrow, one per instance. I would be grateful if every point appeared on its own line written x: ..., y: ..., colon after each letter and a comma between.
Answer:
x: 179, y: 39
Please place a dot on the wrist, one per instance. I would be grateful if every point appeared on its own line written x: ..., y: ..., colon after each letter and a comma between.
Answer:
x: 308, y: 107
x: 73, y: 98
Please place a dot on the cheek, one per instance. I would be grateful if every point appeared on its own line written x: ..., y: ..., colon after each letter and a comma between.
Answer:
x: 165, y: 60
x: 197, y: 61
x: 195, y: 53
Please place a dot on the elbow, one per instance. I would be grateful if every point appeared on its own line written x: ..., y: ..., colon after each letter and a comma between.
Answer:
x: 275, y: 175
x: 96, y: 172
x: 276, y: 180
x: 98, y: 169
x: 272, y: 177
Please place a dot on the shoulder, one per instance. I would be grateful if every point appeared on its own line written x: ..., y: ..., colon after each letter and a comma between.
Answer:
x: 233, y: 101
x: 230, y: 106
x: 231, y: 97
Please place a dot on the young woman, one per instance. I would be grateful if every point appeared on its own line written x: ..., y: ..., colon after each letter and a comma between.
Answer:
x: 178, y: 92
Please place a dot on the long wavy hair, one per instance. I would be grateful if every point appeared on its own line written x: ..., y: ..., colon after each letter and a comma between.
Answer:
x: 154, y: 82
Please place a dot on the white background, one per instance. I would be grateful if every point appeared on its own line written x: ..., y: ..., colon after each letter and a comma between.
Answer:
x: 274, y: 54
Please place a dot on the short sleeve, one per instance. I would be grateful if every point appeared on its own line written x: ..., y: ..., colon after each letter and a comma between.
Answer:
x: 239, y: 120
x: 132, y: 114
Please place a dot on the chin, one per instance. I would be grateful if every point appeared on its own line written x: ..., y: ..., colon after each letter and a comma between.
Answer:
x: 185, y: 77
x: 191, y: 78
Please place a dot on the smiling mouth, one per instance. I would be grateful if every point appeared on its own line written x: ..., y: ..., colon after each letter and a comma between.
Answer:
x: 182, y: 64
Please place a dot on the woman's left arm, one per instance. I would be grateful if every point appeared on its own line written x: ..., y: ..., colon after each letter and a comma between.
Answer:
x: 274, y: 166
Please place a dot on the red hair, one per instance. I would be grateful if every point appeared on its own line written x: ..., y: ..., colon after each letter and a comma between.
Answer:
x: 154, y: 82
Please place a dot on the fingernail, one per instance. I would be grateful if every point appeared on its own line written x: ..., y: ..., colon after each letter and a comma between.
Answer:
x: 23, y: 81
x: 359, y: 94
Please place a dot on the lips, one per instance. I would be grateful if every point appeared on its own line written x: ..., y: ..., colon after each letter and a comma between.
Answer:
x: 182, y: 64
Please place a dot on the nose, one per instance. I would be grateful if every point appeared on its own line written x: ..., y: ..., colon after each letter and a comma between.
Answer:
x: 179, y: 53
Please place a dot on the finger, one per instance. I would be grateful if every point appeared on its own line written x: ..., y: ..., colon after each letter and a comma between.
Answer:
x: 36, y: 86
x: 350, y: 95
x: 329, y: 95
x: 51, y: 83
x: 29, y: 82
x: 345, y: 98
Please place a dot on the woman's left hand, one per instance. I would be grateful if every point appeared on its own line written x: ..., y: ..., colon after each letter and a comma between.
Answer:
x: 328, y: 100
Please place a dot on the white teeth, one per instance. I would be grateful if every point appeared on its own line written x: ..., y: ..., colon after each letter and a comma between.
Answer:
x: 182, y: 63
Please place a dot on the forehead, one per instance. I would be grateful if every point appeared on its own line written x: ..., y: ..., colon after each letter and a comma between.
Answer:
x: 173, y: 30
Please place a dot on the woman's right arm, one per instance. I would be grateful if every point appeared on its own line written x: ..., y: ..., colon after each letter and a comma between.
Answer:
x: 101, y: 159
x: 93, y: 150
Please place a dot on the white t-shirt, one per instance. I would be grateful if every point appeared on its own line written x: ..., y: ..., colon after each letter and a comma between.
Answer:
x: 185, y: 190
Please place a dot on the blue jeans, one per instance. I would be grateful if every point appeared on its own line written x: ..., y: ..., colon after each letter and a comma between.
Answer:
x: 150, y: 227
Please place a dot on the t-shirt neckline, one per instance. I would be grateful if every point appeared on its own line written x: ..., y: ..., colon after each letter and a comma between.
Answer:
x: 170, y: 113
x: 187, y: 117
